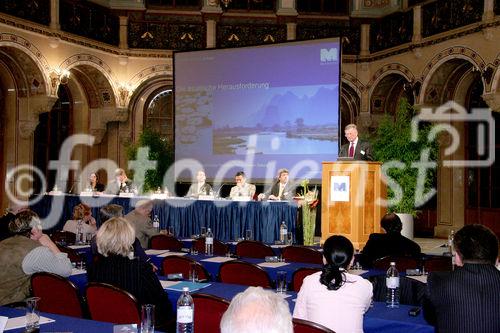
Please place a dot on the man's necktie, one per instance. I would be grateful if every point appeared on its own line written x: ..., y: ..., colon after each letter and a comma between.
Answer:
x: 351, y: 150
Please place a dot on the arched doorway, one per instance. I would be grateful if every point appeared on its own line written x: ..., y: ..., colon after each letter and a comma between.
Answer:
x: 53, y: 128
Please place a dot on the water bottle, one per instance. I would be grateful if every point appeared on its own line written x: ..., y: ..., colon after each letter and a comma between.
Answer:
x: 392, y: 283
x: 451, y: 248
x: 156, y: 223
x: 209, y: 243
x: 185, y: 312
x: 79, y: 232
x: 283, y: 232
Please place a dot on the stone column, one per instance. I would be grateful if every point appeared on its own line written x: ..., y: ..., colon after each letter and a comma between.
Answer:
x: 211, y: 33
x: 54, y: 15
x: 365, y: 40
x: 489, y: 10
x: 417, y: 24
x: 123, y: 32
x: 291, y: 31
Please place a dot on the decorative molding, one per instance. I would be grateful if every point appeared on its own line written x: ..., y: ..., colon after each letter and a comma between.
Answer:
x: 40, y: 104
x: 493, y: 100
x: 150, y: 72
x: 385, y: 70
x: 27, y: 128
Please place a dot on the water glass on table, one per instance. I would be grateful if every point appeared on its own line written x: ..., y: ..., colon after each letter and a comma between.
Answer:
x: 148, y: 318
x: 281, y: 282
x: 248, y: 235
x: 193, y: 274
x: 32, y: 314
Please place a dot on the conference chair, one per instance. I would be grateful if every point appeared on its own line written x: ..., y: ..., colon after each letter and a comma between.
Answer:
x: 220, y: 248
x: 306, y: 326
x: 209, y: 311
x: 402, y: 263
x: 437, y: 264
x: 253, y: 249
x: 63, y: 237
x: 411, y: 292
x: 299, y: 275
x: 302, y: 254
x: 241, y: 272
x: 180, y: 264
x: 112, y: 304
x: 57, y: 294
x: 164, y: 242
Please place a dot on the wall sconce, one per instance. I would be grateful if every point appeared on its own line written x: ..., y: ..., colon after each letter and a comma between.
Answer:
x: 124, y: 91
x: 64, y: 76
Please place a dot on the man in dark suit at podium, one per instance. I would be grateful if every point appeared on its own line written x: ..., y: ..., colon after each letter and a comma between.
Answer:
x: 357, y: 149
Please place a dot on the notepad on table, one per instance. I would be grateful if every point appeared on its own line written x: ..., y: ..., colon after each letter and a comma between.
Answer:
x: 166, y: 254
x: 273, y: 264
x: 78, y: 247
x: 19, y: 322
x: 178, y: 285
x: 218, y: 259
x: 155, y: 252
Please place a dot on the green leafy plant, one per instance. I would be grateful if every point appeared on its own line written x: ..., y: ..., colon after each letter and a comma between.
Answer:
x: 160, y: 150
x: 393, y: 146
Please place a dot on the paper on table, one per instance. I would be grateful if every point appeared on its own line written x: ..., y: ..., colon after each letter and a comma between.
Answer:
x: 167, y: 284
x: 420, y: 278
x: 273, y: 264
x: 218, y: 259
x: 193, y: 286
x: 19, y: 322
x: 77, y: 247
x: 166, y: 254
x: 155, y: 252
x: 3, y: 322
x: 77, y: 271
x: 357, y: 271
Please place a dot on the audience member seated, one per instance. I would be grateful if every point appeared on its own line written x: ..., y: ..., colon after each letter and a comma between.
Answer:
x: 257, y: 311
x: 392, y: 243
x: 467, y: 299
x: 94, y: 184
x: 10, y: 215
x: 81, y: 214
x: 140, y: 219
x: 200, y: 187
x: 242, y: 188
x: 333, y: 297
x: 112, y: 210
x: 282, y: 189
x: 118, y: 267
x: 121, y: 183
x: 27, y: 251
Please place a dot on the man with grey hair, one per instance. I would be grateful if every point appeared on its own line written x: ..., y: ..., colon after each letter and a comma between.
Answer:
x: 140, y: 219
x: 356, y: 149
x: 257, y: 311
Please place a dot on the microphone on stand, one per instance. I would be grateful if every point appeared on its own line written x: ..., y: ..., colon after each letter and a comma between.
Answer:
x: 217, y: 194
x: 71, y: 188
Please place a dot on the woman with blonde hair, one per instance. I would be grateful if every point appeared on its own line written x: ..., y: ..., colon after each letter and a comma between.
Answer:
x: 118, y: 266
x: 82, y: 216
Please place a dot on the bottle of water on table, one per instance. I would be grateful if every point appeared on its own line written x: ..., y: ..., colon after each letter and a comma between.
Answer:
x: 283, y: 232
x: 209, y: 243
x: 392, y: 283
x: 156, y: 223
x: 185, y: 312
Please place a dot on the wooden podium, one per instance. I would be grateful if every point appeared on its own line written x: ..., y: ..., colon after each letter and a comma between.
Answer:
x: 350, y: 200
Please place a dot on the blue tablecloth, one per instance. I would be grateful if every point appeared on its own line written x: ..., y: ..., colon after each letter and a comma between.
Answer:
x: 61, y: 323
x: 227, y: 219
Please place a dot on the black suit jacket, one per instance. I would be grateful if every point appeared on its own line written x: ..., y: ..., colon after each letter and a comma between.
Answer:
x: 288, y: 191
x: 382, y: 245
x: 363, y: 151
x: 466, y: 300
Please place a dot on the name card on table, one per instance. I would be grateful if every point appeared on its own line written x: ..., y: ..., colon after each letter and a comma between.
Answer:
x: 86, y: 193
x: 243, y: 198
x: 159, y: 196
x: 206, y: 197
x: 126, y: 195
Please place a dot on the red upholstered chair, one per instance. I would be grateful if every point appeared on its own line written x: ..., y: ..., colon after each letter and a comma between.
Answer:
x: 179, y: 264
x: 220, y: 248
x: 164, y: 242
x: 302, y: 254
x: 438, y: 264
x: 208, y: 314
x: 305, y: 326
x: 299, y: 275
x: 112, y: 304
x: 253, y: 249
x: 241, y: 272
x: 63, y: 237
x: 402, y: 263
x: 57, y: 294
x: 73, y: 256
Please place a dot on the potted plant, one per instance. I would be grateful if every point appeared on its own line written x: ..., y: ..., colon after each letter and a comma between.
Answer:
x: 393, y: 145
x: 308, y: 206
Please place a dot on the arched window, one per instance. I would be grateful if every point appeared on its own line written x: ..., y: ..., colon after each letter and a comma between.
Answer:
x: 159, y: 114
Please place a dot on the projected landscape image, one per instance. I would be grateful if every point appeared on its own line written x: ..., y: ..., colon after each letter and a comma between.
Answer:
x: 280, y: 119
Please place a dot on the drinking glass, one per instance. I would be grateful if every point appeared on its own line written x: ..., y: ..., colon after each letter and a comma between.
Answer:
x: 289, y: 238
x: 193, y: 275
x: 203, y: 231
x: 281, y: 282
x: 88, y: 237
x: 248, y: 234
x: 32, y: 314
x: 148, y: 318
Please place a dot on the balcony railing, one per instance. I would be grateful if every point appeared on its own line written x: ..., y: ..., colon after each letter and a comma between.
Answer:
x: 37, y: 11
x: 392, y: 30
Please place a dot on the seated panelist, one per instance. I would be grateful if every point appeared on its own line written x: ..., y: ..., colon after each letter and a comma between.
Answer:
x: 121, y: 183
x: 282, y: 189
x: 200, y: 187
x: 242, y: 188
